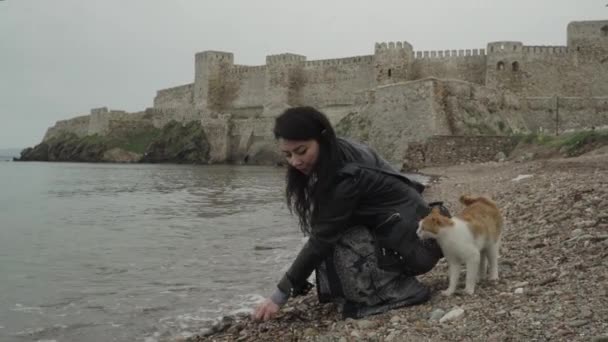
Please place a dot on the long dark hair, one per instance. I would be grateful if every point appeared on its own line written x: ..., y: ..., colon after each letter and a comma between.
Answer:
x: 303, y: 193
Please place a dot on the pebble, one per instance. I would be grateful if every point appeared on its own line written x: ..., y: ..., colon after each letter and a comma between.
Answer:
x: 391, y: 337
x: 562, y: 283
x: 586, y: 313
x: 452, y: 315
x: 516, y: 313
x: 365, y: 324
x: 310, y: 332
x: 585, y: 224
x: 576, y: 232
x: 577, y: 323
x: 436, y: 314
x: 519, y: 290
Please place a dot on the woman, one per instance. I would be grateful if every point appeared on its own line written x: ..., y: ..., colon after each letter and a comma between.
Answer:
x: 361, y: 217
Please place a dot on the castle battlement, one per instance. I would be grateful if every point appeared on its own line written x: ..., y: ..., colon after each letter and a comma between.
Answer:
x: 575, y: 69
x: 449, y: 53
x: 340, y: 61
x: 284, y: 58
x: 215, y: 55
x: 384, y: 46
x: 247, y: 69
x: 543, y: 49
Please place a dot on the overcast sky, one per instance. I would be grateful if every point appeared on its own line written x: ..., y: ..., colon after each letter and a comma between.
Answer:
x: 60, y: 58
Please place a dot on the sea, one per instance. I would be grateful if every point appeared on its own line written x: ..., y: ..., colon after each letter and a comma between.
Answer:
x: 137, y: 252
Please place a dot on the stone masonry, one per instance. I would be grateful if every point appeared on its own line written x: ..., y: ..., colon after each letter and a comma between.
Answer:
x: 512, y: 87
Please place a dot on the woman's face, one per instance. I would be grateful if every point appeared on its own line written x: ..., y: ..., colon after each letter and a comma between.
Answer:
x: 300, y: 154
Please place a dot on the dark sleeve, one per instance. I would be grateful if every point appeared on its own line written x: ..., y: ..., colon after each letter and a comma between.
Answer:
x: 332, y: 219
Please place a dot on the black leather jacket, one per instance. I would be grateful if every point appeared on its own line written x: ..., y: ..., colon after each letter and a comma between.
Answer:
x: 368, y: 191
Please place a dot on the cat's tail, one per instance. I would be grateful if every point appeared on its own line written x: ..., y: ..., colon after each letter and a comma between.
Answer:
x: 468, y: 200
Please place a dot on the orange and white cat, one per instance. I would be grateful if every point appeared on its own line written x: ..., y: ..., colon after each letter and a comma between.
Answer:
x: 471, y: 238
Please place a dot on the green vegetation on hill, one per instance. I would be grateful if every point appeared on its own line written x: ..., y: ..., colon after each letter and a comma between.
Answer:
x: 174, y: 143
x: 571, y: 144
x: 179, y: 143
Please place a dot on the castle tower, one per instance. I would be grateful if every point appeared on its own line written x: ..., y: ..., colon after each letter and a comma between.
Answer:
x: 589, y: 39
x: 392, y: 62
x: 209, y: 70
x: 504, y: 64
x: 282, y: 69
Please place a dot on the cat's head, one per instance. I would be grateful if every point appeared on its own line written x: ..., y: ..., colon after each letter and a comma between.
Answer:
x: 430, y: 226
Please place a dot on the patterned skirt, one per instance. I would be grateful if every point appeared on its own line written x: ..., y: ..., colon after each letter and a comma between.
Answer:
x: 350, y: 276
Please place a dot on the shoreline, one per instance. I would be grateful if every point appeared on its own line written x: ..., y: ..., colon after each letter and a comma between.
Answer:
x: 548, y: 289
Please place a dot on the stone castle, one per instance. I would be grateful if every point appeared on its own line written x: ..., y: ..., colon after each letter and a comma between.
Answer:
x: 391, y: 98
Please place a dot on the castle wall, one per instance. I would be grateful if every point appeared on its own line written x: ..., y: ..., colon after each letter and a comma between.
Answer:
x: 335, y: 82
x: 99, y: 122
x: 465, y: 108
x: 78, y: 125
x: 218, y: 132
x: 589, y: 39
x: 250, y: 90
x: 399, y: 114
x: 406, y: 113
x: 249, y: 138
x: 176, y: 97
x: 396, y: 93
x: 455, y: 149
x: 551, y: 115
x: 467, y: 65
x: 537, y: 71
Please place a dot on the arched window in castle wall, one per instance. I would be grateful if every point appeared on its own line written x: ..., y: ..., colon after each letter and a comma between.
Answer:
x: 515, y: 66
x: 500, y: 65
x: 604, y: 30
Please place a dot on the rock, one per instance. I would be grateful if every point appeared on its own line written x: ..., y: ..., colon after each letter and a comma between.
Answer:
x: 519, y: 290
x: 520, y: 177
x: 179, y: 143
x: 391, y: 337
x: 365, y: 324
x: 585, y: 224
x: 576, y: 232
x: 603, y: 338
x: 355, y: 333
x: 436, y: 314
x: 118, y: 155
x: 310, y: 332
x: 500, y: 157
x: 586, y: 313
x: 578, y: 323
x: 516, y: 313
x: 206, y: 332
x: 452, y: 315
x: 521, y: 284
x: 395, y: 319
x: 342, y: 339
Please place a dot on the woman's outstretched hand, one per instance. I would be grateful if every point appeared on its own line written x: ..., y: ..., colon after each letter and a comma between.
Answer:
x: 265, y: 310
